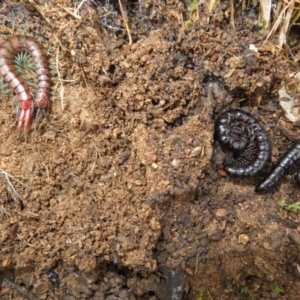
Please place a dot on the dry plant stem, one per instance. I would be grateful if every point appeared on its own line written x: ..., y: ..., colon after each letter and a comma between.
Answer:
x: 278, y: 21
x: 59, y: 81
x: 40, y: 10
x: 68, y: 10
x: 287, y: 1
x: 265, y: 7
x: 11, y: 187
x: 21, y: 290
x: 296, y: 16
x: 79, y: 6
x: 125, y: 51
x: 211, y: 5
x: 4, y: 211
x: 286, y: 23
x: 83, y: 75
x: 276, y: 10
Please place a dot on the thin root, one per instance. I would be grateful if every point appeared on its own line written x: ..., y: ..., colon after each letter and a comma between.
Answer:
x: 11, y: 189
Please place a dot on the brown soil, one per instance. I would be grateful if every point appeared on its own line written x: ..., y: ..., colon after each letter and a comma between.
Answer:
x: 118, y: 196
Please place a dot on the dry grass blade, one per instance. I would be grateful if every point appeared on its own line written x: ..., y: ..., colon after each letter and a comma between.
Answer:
x: 278, y: 21
x: 40, y: 9
x: 232, y: 13
x: 296, y: 16
x: 75, y: 13
x: 79, y: 6
x: 211, y: 5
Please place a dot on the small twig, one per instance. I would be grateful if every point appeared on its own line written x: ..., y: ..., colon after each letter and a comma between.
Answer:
x: 125, y: 23
x: 210, y: 297
x: 79, y: 6
x: 9, y: 176
x: 47, y: 171
x: 83, y: 76
x: 98, y: 153
x: 69, y: 12
x: 56, y: 65
x: 59, y: 81
x: 61, y: 93
x: 20, y: 289
x: 232, y: 14
x: 125, y: 51
x: 3, y: 210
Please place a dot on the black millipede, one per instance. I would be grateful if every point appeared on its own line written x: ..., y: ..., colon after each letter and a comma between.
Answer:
x: 281, y: 168
x: 239, y: 132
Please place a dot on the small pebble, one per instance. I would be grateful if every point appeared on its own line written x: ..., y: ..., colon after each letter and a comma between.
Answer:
x: 267, y: 246
x: 295, y: 237
x: 243, y: 239
x: 220, y: 212
x: 189, y: 271
x: 174, y: 163
x: 154, y: 166
x: 154, y: 157
x: 196, y: 151
x: 276, y: 244
x: 216, y: 237
x: 273, y: 216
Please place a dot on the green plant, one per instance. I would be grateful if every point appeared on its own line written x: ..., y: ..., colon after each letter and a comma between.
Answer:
x: 193, y: 10
x: 244, y: 290
x: 193, y: 6
x: 295, y: 207
x: 278, y: 288
x: 282, y: 204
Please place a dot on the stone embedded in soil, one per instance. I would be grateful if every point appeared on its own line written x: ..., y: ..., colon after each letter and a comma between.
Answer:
x: 216, y: 237
x: 220, y: 212
x: 175, y: 283
x: 196, y: 151
x: 267, y: 246
x: 243, y: 239
x: 295, y: 237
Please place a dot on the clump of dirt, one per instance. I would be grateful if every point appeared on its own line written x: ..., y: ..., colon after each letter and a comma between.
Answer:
x: 118, y: 196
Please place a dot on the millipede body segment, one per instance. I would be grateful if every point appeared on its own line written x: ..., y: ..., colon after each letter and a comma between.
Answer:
x: 238, y: 131
x: 281, y: 168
